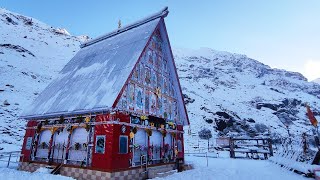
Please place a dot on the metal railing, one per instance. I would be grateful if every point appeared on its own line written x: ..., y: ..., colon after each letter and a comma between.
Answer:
x: 11, y: 157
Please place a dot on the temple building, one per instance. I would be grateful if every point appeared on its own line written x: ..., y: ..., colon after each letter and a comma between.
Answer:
x: 114, y: 111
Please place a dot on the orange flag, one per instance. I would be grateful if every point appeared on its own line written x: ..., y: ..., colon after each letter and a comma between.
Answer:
x: 312, y: 119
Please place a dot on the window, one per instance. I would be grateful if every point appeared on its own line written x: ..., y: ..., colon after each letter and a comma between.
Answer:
x: 100, y: 144
x: 123, y: 145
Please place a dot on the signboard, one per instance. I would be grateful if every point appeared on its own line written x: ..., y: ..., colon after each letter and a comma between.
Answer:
x: 28, y: 143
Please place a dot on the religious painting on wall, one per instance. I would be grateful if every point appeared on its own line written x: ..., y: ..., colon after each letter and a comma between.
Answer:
x: 153, y: 103
x: 131, y: 96
x: 170, y: 110
x: 157, y: 61
x: 150, y: 58
x: 165, y: 108
x: 153, y: 79
x: 136, y: 73
x: 148, y: 76
x: 159, y: 106
x: 165, y: 85
x: 159, y: 81
x: 141, y: 74
x: 165, y: 65
x: 139, y: 98
x: 100, y: 144
x: 147, y: 102
x: 123, y: 103
x: 135, y: 120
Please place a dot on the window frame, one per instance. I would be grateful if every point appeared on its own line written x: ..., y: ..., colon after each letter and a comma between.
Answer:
x: 104, y: 145
x: 127, y: 143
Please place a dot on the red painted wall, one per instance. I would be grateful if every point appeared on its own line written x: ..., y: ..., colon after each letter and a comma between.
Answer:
x: 111, y: 159
x: 103, y: 161
x: 121, y: 161
x: 29, y: 133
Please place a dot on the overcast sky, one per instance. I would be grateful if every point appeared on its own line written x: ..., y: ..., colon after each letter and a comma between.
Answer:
x: 283, y: 34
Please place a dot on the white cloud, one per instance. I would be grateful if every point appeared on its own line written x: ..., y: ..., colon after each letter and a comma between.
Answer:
x: 311, y: 69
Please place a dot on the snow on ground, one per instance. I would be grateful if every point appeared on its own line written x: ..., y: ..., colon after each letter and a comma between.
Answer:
x: 240, y: 169
x: 12, y: 174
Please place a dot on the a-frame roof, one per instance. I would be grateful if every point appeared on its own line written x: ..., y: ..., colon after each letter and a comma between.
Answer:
x: 95, y: 75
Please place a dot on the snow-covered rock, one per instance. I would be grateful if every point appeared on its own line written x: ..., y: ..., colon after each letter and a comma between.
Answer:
x: 31, y: 55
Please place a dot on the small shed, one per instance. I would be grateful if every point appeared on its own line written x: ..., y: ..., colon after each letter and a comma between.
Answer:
x: 113, y: 110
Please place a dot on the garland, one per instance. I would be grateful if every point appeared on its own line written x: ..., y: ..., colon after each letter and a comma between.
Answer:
x: 61, y: 120
x: 39, y: 126
x: 149, y: 132
x: 134, y: 130
x: 87, y: 127
x: 164, y: 133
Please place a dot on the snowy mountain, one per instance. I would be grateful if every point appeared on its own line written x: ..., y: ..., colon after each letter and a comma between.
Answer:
x: 229, y: 93
x: 31, y: 55
x: 317, y: 81
x: 232, y: 94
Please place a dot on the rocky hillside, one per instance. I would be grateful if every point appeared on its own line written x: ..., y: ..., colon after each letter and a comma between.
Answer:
x: 235, y: 95
x: 31, y: 54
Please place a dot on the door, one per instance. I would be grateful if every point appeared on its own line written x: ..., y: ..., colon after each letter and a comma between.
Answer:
x: 60, y: 141
x: 140, y: 146
x: 43, y: 145
x: 78, y: 146
x: 156, y: 144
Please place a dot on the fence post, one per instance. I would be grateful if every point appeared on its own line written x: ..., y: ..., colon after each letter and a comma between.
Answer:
x: 9, y: 160
x: 207, y: 158
x: 270, y: 146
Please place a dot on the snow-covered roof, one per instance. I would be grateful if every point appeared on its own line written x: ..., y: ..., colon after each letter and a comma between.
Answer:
x: 95, y: 75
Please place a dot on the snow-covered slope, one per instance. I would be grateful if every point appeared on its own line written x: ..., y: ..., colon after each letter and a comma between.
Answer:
x: 317, y: 81
x: 31, y: 54
x: 232, y: 94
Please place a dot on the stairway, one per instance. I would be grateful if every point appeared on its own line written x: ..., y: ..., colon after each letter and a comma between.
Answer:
x: 56, y: 170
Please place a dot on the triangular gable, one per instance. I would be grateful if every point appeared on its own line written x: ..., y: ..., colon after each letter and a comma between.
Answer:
x: 94, y: 76
x: 153, y: 87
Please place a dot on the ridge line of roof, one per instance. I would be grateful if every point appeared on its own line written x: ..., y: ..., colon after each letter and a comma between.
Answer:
x: 162, y: 14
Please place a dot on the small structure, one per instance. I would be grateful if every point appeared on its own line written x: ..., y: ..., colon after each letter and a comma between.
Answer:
x: 114, y: 109
x: 251, y: 147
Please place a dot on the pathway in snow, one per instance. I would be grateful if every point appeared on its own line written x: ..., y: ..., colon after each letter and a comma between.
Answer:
x: 239, y: 169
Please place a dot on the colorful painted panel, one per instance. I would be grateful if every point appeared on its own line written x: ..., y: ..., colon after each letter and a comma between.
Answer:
x: 151, y: 90
x: 131, y: 96
x: 153, y: 79
x: 147, y: 103
x: 159, y: 107
x: 148, y: 76
x: 153, y: 104
x: 139, y: 98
